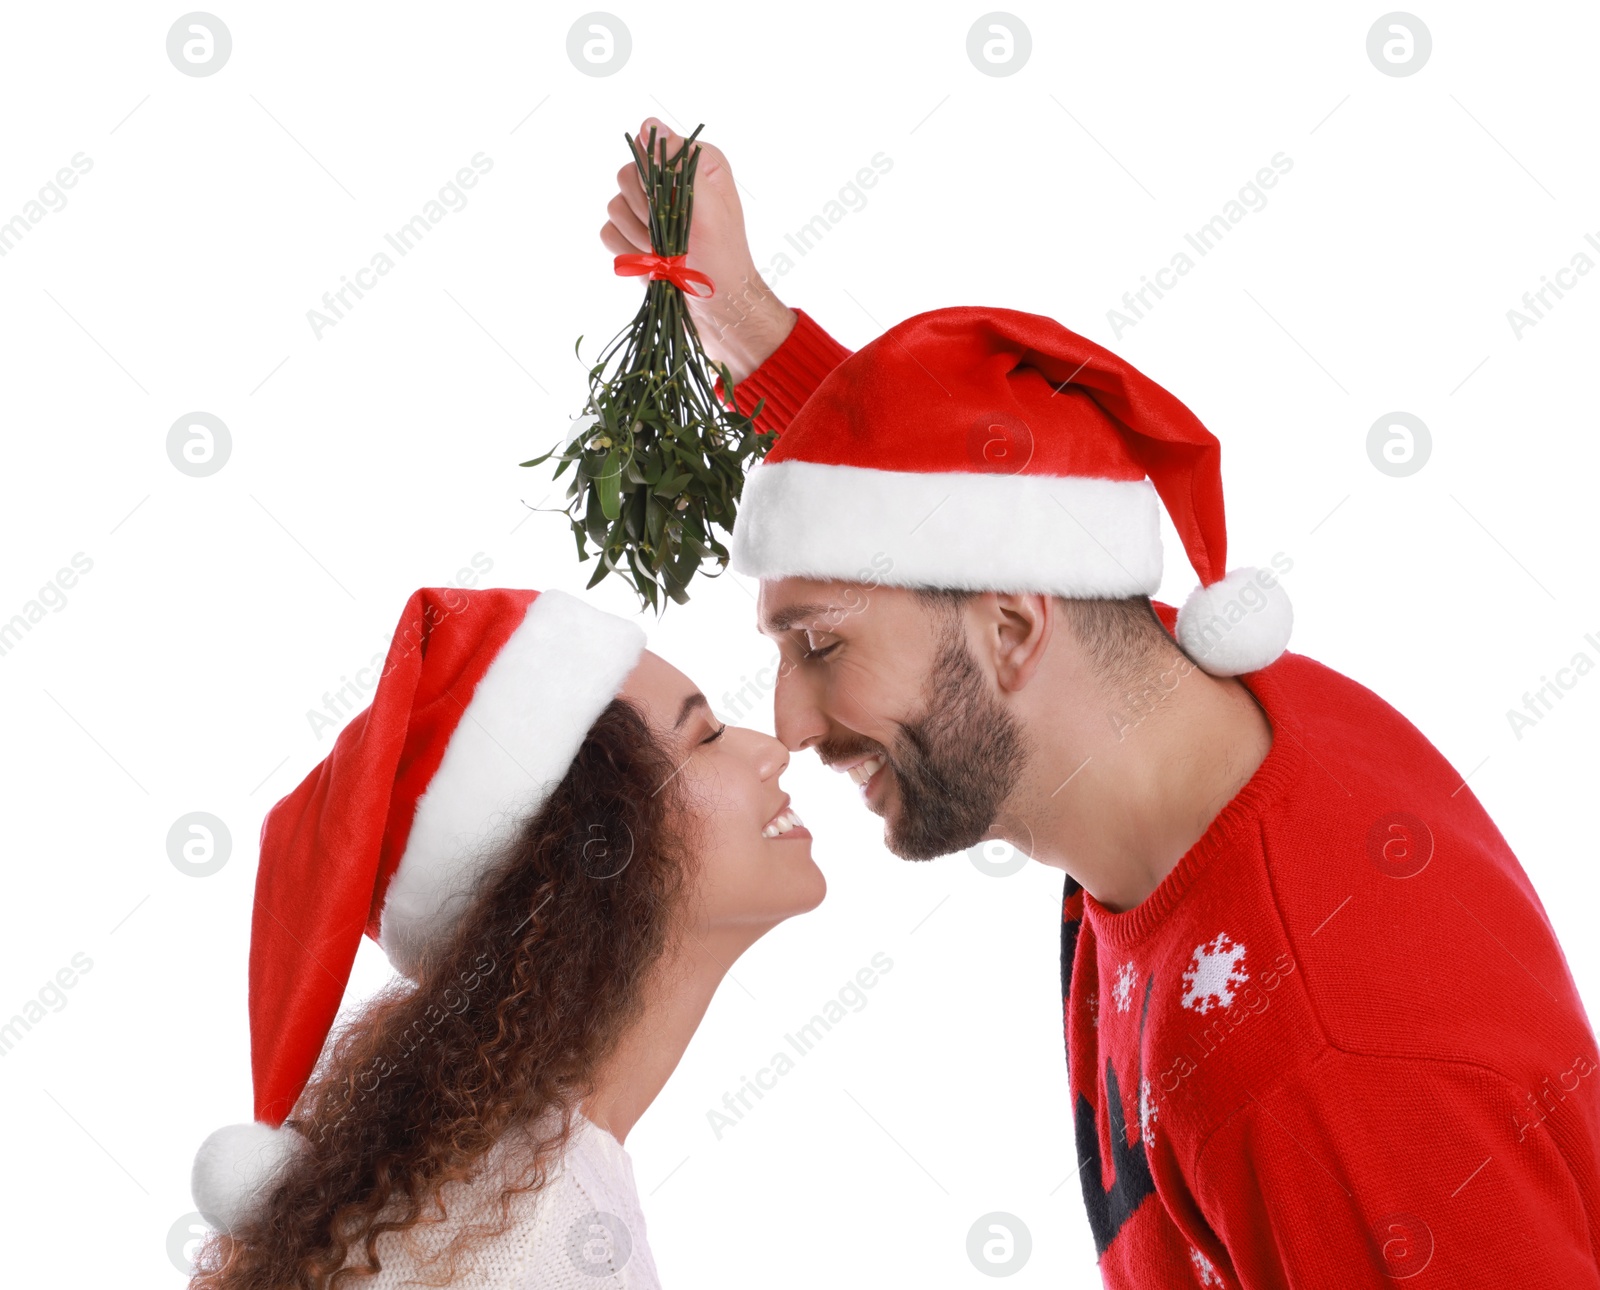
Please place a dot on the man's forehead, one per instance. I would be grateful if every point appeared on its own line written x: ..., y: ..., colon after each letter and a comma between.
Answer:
x: 790, y: 616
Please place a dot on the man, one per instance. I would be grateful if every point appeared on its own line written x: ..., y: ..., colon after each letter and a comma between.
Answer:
x: 1243, y: 831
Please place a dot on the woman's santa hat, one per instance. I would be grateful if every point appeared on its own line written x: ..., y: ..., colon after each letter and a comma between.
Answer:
x: 994, y: 450
x: 484, y: 700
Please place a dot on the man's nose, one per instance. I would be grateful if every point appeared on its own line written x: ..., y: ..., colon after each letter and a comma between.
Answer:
x: 797, y: 718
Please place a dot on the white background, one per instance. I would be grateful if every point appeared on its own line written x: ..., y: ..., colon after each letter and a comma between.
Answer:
x: 383, y: 456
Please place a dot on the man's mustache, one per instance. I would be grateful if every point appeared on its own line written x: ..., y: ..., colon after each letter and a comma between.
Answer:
x: 834, y: 753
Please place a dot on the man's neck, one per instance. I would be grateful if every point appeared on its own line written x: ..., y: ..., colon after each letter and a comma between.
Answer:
x: 1117, y: 793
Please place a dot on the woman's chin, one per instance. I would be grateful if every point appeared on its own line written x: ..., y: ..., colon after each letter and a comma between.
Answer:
x: 795, y: 847
x: 818, y: 893
x: 822, y: 894
x: 793, y: 895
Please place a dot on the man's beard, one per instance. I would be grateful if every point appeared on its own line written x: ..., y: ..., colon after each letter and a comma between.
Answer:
x: 955, y: 764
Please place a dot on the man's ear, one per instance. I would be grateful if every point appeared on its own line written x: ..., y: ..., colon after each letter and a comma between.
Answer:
x: 1019, y: 627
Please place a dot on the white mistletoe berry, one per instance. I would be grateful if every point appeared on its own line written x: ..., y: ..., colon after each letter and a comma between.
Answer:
x: 1213, y: 974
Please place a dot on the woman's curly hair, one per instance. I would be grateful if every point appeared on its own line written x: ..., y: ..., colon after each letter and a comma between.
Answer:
x: 504, y: 1029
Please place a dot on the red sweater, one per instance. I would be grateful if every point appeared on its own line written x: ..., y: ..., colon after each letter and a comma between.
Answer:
x: 1339, y: 1044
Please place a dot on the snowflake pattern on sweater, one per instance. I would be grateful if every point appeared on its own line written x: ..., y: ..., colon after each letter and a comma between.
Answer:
x: 1213, y: 974
x: 1122, y: 991
x: 1147, y: 1110
x: 1204, y: 1272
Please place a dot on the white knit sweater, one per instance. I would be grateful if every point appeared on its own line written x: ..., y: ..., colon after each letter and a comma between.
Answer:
x: 582, y: 1231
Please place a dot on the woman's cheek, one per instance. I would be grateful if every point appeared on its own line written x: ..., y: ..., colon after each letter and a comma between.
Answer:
x: 723, y: 801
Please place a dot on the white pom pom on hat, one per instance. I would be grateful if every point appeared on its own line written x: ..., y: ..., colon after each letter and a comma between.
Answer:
x: 1240, y: 623
x: 484, y: 699
x: 235, y: 1169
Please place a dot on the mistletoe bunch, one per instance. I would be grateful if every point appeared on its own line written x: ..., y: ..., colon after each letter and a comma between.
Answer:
x: 658, y: 462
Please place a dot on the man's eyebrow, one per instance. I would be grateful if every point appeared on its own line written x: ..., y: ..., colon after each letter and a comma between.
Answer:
x: 690, y: 703
x: 784, y: 619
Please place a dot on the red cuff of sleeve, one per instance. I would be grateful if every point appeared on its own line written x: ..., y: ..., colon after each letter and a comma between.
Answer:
x: 785, y: 380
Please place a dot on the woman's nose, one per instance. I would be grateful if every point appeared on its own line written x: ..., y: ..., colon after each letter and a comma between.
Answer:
x: 772, y: 758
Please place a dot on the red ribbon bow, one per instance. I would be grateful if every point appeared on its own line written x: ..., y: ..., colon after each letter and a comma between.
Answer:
x: 670, y: 267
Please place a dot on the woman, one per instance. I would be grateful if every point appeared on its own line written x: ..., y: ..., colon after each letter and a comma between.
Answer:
x: 553, y: 839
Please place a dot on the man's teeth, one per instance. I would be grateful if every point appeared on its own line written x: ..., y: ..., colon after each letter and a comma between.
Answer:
x: 867, y: 769
x: 781, y: 825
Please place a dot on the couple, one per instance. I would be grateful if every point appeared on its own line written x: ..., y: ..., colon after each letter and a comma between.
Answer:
x: 562, y: 850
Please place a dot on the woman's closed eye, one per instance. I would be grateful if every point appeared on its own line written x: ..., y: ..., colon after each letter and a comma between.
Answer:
x: 712, y: 738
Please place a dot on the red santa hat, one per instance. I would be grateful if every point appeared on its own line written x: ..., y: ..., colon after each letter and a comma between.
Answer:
x: 484, y: 699
x: 991, y: 449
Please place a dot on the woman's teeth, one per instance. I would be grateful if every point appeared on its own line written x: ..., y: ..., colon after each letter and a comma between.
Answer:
x: 781, y: 825
x: 867, y: 769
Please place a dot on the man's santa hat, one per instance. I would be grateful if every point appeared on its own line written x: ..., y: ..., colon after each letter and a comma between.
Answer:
x: 484, y: 700
x: 994, y: 450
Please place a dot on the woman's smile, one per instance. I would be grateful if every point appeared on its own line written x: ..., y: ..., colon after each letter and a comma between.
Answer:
x: 785, y: 824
